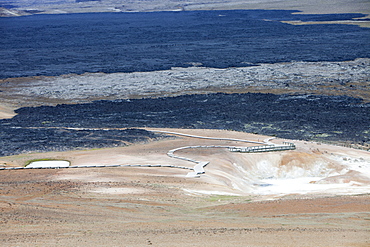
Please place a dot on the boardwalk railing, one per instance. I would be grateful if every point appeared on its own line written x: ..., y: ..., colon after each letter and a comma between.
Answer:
x: 265, y: 148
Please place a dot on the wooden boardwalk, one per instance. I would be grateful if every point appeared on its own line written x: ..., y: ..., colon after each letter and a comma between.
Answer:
x: 265, y: 148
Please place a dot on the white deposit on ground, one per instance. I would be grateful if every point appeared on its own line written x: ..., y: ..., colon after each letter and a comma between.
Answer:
x: 333, y: 170
x: 348, y: 176
x: 49, y: 163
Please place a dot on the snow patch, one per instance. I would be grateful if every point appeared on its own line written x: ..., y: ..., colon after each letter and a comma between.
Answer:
x: 49, y: 163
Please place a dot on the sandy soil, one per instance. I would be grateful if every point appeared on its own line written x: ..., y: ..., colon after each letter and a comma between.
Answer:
x: 6, y: 111
x: 161, y: 207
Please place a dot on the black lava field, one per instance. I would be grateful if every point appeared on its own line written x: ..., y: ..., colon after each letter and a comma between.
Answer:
x: 126, y: 42
x: 308, y: 117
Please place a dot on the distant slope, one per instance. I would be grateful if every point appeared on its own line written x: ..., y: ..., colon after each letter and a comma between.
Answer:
x: 4, y: 12
x: 79, y: 6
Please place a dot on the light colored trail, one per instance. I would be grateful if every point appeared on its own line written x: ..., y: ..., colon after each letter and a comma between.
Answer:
x: 199, y: 165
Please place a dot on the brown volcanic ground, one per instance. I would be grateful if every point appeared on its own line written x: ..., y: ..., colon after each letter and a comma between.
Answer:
x: 161, y: 207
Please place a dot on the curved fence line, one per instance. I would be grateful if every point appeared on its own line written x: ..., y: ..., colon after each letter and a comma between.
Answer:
x: 199, y: 165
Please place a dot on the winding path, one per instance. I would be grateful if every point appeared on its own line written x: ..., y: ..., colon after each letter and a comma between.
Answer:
x: 266, y: 146
x: 199, y: 167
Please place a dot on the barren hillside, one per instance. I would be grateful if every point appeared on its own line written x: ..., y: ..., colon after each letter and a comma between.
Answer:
x: 139, y: 206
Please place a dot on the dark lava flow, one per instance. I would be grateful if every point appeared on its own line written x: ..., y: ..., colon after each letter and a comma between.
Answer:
x: 127, y: 42
x: 308, y: 117
x: 16, y: 141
